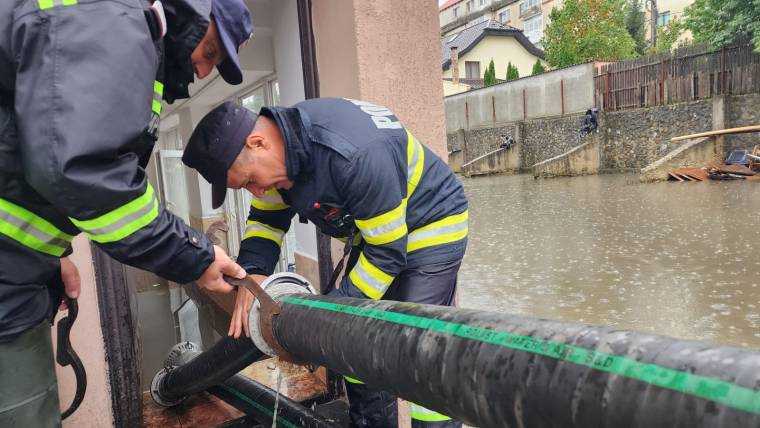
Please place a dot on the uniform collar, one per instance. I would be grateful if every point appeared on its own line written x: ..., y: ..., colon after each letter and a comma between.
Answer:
x: 294, y: 125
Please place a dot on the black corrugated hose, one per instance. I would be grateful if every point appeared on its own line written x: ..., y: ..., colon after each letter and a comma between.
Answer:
x: 494, y: 370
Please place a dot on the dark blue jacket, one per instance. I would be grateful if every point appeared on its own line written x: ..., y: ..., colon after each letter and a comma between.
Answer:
x: 355, y: 168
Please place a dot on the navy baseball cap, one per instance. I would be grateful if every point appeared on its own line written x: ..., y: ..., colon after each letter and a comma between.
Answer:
x: 216, y: 142
x: 233, y: 22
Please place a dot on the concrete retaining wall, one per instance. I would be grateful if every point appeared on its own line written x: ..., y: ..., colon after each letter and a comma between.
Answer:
x: 692, y: 153
x: 567, y: 90
x: 581, y: 160
x: 498, y: 161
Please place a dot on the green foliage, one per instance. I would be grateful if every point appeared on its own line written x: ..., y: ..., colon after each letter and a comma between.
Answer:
x: 667, y: 36
x: 538, y: 68
x: 489, y: 77
x: 587, y: 30
x: 635, y: 20
x: 512, y: 72
x: 722, y: 22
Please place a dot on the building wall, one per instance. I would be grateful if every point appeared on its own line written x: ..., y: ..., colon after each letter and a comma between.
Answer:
x: 514, y: 20
x: 676, y: 9
x: 449, y: 88
x: 502, y: 50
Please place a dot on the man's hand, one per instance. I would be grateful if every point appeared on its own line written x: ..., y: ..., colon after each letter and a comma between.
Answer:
x: 72, y: 284
x: 243, y: 303
x: 212, y: 280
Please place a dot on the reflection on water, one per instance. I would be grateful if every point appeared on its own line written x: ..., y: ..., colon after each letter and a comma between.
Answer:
x: 675, y: 259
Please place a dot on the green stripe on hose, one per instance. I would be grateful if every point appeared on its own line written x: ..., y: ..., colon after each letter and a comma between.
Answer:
x: 717, y: 390
x: 266, y: 410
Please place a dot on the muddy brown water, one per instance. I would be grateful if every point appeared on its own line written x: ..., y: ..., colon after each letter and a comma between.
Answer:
x: 678, y: 259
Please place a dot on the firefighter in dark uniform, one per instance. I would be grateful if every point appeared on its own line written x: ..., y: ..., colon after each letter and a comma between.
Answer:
x: 353, y: 170
x: 81, y: 85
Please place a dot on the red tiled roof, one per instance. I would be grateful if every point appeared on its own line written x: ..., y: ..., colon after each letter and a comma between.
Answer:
x: 448, y: 4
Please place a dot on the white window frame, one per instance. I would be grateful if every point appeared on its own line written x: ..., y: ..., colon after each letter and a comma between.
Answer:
x: 529, y: 4
x: 504, y: 16
x: 534, y: 34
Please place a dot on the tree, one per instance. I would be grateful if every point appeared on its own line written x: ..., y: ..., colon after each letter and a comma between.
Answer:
x: 587, y: 30
x: 489, y: 77
x: 722, y: 22
x: 635, y: 21
x: 512, y: 72
x: 667, y: 36
x: 538, y: 68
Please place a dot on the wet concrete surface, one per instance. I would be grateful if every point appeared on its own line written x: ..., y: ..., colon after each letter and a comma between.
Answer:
x: 678, y: 259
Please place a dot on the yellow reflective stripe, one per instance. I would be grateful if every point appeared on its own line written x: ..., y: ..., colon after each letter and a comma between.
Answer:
x: 158, y: 92
x: 123, y: 221
x: 386, y: 227
x: 449, y: 229
x: 255, y: 229
x: 415, y: 156
x: 372, y: 281
x: 47, y: 4
x: 31, y: 230
x: 271, y: 201
x: 158, y: 87
x: 349, y: 379
x: 422, y: 414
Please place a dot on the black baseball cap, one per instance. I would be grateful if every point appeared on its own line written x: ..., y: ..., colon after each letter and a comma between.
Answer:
x: 216, y: 142
x: 233, y: 22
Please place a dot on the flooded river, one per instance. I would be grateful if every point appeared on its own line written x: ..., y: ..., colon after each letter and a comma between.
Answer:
x: 679, y: 259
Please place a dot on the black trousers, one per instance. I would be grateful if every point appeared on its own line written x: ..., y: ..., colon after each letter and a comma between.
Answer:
x: 433, y: 284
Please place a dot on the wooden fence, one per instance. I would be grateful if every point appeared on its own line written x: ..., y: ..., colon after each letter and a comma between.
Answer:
x: 688, y: 74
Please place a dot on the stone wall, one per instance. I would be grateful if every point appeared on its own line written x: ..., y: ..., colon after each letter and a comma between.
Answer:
x: 742, y: 110
x: 544, y: 139
x: 635, y: 138
x: 628, y: 140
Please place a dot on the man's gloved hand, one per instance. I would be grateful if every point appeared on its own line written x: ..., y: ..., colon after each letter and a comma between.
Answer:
x: 243, y: 302
x: 212, y: 278
x: 72, y: 283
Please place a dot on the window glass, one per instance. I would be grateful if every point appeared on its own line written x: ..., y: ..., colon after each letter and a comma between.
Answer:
x: 504, y: 16
x: 255, y: 100
x: 533, y: 29
x: 472, y: 69
x: 663, y: 18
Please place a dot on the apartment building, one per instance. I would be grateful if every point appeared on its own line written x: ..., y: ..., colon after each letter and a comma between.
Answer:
x: 530, y: 16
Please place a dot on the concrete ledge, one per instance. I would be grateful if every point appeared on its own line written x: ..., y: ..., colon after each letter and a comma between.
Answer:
x: 581, y: 160
x: 693, y: 153
x: 502, y: 160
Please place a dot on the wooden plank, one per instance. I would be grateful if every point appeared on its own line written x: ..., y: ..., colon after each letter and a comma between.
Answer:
x: 740, y: 130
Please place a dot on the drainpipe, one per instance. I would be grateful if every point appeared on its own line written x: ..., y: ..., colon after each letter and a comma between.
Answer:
x: 493, y: 369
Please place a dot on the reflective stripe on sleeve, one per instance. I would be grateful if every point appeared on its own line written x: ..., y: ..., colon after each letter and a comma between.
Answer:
x: 255, y: 229
x: 271, y: 201
x: 386, y: 227
x: 444, y: 231
x: 422, y: 414
x: 31, y: 230
x: 47, y: 4
x: 368, y: 278
x: 158, y: 95
x: 123, y: 221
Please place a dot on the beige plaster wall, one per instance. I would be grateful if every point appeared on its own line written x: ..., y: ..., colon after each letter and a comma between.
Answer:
x: 87, y: 340
x: 386, y: 52
x: 449, y: 88
x: 501, y: 50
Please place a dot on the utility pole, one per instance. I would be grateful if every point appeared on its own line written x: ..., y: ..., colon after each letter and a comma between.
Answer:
x: 653, y: 23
